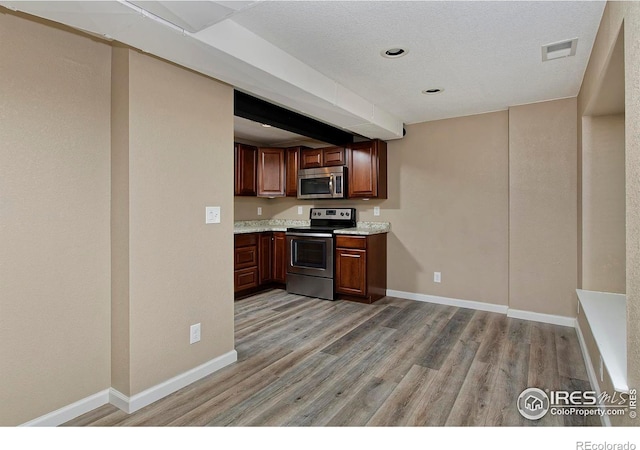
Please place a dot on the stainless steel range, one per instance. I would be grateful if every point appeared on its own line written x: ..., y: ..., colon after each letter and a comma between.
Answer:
x: 310, y: 252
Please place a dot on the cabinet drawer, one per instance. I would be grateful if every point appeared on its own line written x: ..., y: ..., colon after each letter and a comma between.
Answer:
x: 357, y: 242
x: 246, y: 257
x: 245, y: 279
x: 242, y: 240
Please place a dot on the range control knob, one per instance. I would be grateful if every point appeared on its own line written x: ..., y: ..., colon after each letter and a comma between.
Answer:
x: 347, y: 213
x: 342, y: 214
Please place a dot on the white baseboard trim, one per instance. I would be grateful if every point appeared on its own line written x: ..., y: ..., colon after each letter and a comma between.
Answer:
x: 545, y: 318
x: 66, y: 413
x: 155, y: 393
x: 481, y: 306
x: 591, y: 372
x: 502, y: 309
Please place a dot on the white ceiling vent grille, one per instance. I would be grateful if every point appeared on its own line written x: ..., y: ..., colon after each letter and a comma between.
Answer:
x: 559, y: 49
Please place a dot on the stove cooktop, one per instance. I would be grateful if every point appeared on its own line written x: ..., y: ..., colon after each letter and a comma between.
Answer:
x: 326, y: 220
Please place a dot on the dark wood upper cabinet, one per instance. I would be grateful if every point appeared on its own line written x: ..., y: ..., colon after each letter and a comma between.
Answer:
x: 333, y: 156
x: 322, y: 157
x: 310, y: 158
x: 245, y: 170
x: 271, y: 172
x: 367, y: 169
x: 292, y: 164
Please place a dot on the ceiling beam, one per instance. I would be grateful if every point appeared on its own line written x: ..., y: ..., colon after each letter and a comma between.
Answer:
x: 252, y: 108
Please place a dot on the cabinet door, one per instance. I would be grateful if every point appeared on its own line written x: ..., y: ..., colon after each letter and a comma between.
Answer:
x: 292, y: 164
x: 333, y: 156
x: 245, y: 170
x: 271, y: 172
x: 265, y: 269
x: 351, y: 272
x: 279, y: 257
x: 310, y: 158
x: 367, y: 165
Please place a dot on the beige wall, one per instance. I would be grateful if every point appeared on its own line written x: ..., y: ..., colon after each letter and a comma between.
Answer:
x: 471, y: 196
x: 448, y: 208
x: 54, y: 218
x: 616, y: 16
x: 180, y: 271
x: 603, y: 204
x: 543, y: 207
x: 172, y: 135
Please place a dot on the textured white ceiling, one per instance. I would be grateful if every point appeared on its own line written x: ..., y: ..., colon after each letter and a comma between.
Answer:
x: 322, y: 58
x: 486, y: 55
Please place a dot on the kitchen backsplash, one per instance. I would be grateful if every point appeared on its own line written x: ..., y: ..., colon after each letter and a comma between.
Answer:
x: 246, y: 208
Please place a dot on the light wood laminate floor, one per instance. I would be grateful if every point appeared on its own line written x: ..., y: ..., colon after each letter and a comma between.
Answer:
x: 310, y: 362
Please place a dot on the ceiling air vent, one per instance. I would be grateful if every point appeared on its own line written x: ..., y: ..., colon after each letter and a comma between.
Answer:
x: 559, y: 49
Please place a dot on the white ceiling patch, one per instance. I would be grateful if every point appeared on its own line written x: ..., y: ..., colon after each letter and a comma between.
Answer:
x: 559, y: 49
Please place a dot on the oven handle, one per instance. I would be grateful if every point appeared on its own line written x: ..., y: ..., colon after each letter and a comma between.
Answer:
x: 317, y: 235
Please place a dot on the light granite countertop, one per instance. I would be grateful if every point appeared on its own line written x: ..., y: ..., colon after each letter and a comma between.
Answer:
x: 259, y: 226
x: 263, y: 225
x: 366, y: 228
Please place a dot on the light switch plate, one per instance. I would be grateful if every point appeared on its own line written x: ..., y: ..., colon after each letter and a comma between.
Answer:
x: 212, y: 214
x: 437, y: 277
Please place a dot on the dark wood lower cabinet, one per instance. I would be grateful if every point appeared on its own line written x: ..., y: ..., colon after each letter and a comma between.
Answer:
x: 245, y: 279
x: 266, y: 258
x: 351, y: 271
x: 260, y: 262
x: 361, y: 267
x: 245, y: 252
x: 279, y: 257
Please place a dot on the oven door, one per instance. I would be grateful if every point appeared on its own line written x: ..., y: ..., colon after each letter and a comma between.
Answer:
x: 310, y: 254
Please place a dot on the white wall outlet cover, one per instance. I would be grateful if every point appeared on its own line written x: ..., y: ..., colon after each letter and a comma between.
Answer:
x: 259, y: 210
x: 299, y: 209
x: 212, y: 214
x: 376, y: 210
x: 437, y: 277
x: 194, y: 333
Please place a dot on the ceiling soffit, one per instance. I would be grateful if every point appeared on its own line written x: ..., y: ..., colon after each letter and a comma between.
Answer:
x: 230, y: 53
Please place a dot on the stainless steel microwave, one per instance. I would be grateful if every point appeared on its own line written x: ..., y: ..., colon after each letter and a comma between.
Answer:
x: 322, y: 182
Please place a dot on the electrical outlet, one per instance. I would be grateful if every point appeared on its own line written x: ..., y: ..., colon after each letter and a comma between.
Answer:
x: 194, y: 333
x: 437, y: 276
x: 259, y: 210
x: 300, y: 210
x: 376, y: 210
x: 212, y: 214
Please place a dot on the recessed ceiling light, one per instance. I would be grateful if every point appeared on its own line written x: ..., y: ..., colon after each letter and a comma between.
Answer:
x: 432, y: 91
x: 394, y: 52
x: 266, y: 125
